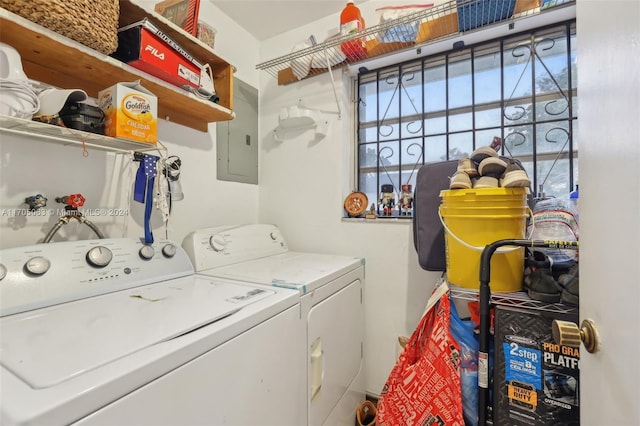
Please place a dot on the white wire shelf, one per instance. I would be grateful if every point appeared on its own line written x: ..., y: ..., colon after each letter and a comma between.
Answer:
x: 517, y: 299
x: 443, y: 21
x: 66, y: 136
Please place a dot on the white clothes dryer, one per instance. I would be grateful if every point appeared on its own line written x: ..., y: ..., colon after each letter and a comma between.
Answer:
x: 113, y: 331
x: 330, y: 289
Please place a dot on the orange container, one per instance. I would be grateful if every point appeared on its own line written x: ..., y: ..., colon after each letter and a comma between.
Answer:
x: 438, y: 27
x: 525, y: 5
x: 351, y: 22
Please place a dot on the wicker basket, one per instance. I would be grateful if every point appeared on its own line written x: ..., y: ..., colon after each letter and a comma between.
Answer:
x: 93, y: 23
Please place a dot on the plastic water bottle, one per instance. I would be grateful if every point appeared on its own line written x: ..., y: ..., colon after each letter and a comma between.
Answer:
x: 351, y: 22
x: 573, y: 201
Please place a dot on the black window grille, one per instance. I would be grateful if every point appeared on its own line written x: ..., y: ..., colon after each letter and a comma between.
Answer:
x: 521, y: 88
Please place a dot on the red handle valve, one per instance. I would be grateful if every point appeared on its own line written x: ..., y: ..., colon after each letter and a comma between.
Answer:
x: 73, y: 200
x: 76, y: 200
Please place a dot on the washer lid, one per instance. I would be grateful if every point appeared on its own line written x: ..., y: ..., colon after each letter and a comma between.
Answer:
x: 304, y: 272
x: 48, y: 346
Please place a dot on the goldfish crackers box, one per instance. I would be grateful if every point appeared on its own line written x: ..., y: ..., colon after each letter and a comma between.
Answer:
x: 131, y: 112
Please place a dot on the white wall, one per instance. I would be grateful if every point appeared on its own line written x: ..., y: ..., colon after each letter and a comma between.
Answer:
x: 29, y: 167
x: 303, y: 184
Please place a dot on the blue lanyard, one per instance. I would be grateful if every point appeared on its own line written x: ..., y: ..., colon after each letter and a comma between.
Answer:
x: 143, y: 191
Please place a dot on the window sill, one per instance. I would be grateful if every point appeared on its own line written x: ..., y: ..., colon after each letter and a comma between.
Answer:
x: 378, y: 220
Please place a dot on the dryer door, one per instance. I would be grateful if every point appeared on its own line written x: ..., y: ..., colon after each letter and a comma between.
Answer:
x: 335, y: 333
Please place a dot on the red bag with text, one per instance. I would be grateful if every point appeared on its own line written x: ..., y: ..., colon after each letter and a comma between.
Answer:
x: 424, y: 385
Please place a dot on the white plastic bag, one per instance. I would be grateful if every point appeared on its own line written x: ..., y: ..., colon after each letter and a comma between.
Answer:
x: 405, y: 31
x: 333, y: 54
x: 302, y: 65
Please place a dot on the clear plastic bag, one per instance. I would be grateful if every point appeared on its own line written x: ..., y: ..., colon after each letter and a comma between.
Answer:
x: 555, y: 219
x: 403, y: 32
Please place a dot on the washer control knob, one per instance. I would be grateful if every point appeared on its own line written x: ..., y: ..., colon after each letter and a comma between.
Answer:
x: 37, y: 265
x: 169, y: 250
x: 217, y: 242
x: 99, y: 256
x: 3, y: 271
x: 146, y: 252
x: 273, y: 236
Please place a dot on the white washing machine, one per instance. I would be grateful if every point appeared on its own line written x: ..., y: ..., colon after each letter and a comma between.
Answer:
x: 330, y: 289
x: 114, y: 332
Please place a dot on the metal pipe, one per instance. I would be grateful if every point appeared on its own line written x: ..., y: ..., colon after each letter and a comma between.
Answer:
x: 53, y: 230
x: 94, y: 227
x: 65, y: 219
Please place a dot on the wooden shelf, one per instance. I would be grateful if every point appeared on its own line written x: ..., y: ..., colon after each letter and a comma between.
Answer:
x: 57, y: 60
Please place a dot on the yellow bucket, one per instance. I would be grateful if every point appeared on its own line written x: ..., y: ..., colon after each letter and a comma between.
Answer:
x: 474, y: 218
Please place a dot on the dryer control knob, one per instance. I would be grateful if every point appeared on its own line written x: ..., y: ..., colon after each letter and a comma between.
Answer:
x: 37, y: 265
x: 169, y: 250
x: 217, y: 242
x: 3, y: 271
x: 146, y: 252
x: 273, y: 236
x: 99, y: 256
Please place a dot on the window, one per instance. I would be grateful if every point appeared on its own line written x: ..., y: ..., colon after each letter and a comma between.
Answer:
x: 521, y: 88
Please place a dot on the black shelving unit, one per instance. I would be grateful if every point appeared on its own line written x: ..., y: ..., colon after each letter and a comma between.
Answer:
x: 486, y: 300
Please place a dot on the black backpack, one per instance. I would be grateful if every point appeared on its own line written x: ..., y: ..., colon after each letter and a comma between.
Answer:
x: 428, y: 233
